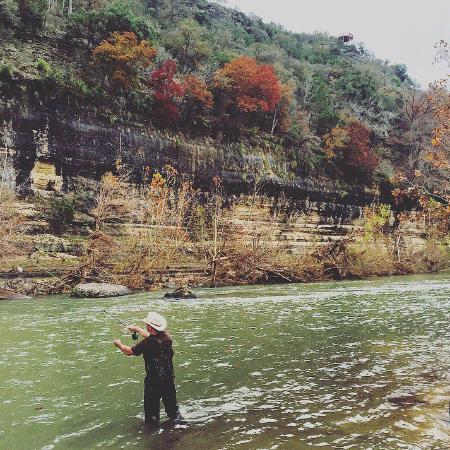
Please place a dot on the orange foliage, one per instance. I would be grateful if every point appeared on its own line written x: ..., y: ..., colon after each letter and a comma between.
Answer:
x: 283, y: 107
x: 250, y: 86
x: 352, y: 144
x: 123, y: 56
x: 196, y: 92
x: 358, y: 153
x: 440, y: 101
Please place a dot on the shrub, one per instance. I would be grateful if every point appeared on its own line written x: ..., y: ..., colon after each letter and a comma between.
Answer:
x: 59, y: 213
x: 32, y: 15
x: 8, y: 14
x: 44, y: 68
x: 7, y: 72
x: 95, y: 26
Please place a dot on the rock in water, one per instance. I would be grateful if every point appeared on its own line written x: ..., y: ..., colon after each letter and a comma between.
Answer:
x: 182, y: 292
x: 404, y: 399
x: 97, y: 290
x: 7, y: 294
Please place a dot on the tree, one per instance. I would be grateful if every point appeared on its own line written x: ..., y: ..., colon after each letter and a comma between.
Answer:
x: 123, y: 57
x: 350, y: 145
x: 431, y: 181
x: 167, y: 92
x: 412, y: 134
x: 281, y: 116
x: 32, y: 15
x: 187, y: 42
x: 198, y: 99
x: 92, y: 24
x: 320, y: 102
x: 249, y: 86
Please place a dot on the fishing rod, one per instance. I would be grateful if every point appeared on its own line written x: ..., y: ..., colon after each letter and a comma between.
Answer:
x: 134, y: 335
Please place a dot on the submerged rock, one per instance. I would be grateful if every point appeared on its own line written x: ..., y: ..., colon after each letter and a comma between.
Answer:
x: 180, y: 293
x: 7, y: 294
x: 97, y: 290
x: 404, y: 399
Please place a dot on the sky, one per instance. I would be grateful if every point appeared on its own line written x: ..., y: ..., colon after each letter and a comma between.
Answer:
x: 401, y: 31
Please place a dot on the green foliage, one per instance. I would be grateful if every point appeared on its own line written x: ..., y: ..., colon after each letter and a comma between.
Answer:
x: 8, y: 14
x: 7, y: 72
x: 97, y: 25
x: 329, y: 81
x: 32, y: 15
x: 188, y: 43
x: 59, y: 212
x: 358, y: 86
x: 44, y: 68
x: 401, y: 72
x: 376, y: 220
x: 59, y: 78
x: 321, y: 104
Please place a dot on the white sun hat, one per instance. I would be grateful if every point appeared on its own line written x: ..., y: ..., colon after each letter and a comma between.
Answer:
x: 156, y: 321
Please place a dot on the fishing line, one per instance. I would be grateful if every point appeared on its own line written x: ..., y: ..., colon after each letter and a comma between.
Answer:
x: 134, y: 335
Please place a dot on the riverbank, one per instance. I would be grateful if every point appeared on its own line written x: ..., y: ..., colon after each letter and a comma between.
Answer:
x: 165, y: 233
x: 32, y: 281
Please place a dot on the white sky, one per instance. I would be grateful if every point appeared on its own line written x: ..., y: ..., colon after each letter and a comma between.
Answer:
x: 402, y: 31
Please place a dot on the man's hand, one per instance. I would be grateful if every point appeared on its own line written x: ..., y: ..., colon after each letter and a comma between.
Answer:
x: 139, y: 330
x: 125, y: 349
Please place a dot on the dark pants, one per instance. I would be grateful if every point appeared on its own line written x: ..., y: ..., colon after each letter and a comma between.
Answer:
x: 154, y: 390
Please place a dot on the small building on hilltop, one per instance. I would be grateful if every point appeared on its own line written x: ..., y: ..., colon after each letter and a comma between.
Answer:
x: 346, y: 38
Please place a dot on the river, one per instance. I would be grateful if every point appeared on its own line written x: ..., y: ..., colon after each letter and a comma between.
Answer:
x: 263, y: 367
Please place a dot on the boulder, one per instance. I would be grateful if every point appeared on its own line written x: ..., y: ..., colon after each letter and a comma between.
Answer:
x: 180, y: 293
x: 7, y: 294
x: 97, y: 290
x: 53, y: 244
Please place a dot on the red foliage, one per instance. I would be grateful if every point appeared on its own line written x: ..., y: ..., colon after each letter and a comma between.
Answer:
x: 249, y: 85
x: 357, y: 152
x: 122, y: 55
x: 167, y: 91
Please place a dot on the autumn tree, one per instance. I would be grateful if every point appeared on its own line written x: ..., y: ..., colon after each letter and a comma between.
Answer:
x: 167, y: 92
x: 350, y: 145
x: 281, y: 119
x: 248, y: 86
x: 122, y: 58
x: 198, y: 99
x: 431, y: 180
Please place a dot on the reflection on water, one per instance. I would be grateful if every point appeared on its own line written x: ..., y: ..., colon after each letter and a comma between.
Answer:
x: 334, y: 365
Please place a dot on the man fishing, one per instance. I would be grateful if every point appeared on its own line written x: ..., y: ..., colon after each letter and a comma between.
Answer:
x: 156, y: 347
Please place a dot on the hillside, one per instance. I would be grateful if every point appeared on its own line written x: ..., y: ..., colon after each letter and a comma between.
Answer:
x: 333, y: 109
x: 189, y: 138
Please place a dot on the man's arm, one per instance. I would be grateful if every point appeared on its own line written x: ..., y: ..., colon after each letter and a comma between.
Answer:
x: 125, y: 349
x: 141, y: 331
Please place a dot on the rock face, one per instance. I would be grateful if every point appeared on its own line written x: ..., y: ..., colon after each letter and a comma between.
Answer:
x: 98, y: 290
x: 180, y: 293
x: 6, y: 294
x: 49, y: 151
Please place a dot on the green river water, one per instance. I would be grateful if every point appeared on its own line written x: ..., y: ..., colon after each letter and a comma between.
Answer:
x: 262, y: 367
